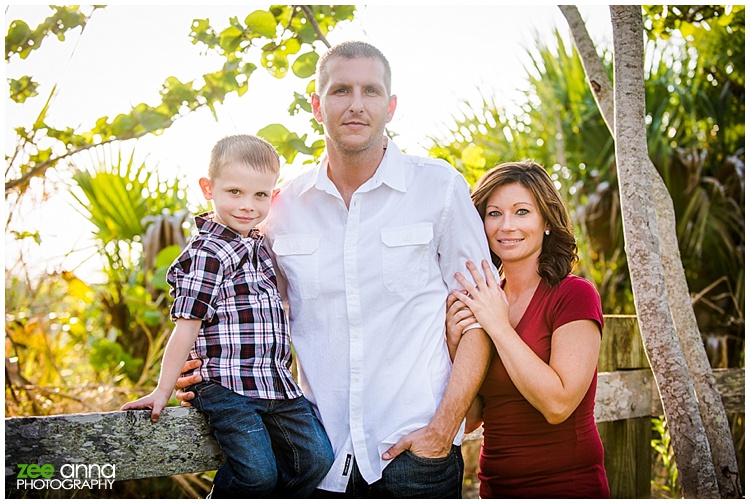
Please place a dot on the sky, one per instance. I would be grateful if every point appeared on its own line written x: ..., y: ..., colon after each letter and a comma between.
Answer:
x: 439, y: 55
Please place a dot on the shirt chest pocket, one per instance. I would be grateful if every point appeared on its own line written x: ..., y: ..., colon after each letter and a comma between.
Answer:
x: 298, y: 256
x: 405, y: 254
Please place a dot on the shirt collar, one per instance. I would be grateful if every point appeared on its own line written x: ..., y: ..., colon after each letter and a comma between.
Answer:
x: 390, y: 172
x: 207, y: 225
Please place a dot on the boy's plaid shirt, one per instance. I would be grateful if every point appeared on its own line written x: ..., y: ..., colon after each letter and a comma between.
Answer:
x: 228, y: 281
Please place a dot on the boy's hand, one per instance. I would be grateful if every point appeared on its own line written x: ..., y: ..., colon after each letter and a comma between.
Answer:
x: 186, y: 381
x: 155, y: 401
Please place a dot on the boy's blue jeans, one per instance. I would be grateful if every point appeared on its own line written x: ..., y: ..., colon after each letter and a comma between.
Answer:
x: 274, y: 448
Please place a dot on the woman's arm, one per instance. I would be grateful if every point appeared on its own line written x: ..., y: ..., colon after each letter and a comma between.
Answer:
x: 555, y: 389
x: 474, y: 415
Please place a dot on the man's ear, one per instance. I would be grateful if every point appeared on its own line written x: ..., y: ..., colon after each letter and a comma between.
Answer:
x: 205, y: 187
x: 392, y: 102
x: 315, y: 103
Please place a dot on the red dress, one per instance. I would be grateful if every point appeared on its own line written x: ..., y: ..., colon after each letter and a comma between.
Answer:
x: 522, y: 454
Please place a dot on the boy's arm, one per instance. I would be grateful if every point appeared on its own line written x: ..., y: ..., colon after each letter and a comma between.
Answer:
x: 180, y: 343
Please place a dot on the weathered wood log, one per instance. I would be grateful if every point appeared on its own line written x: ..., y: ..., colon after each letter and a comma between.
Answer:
x: 181, y: 441
x: 731, y: 384
x: 621, y: 395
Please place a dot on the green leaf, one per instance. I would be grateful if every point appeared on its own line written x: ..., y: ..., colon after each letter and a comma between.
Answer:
x: 159, y: 279
x: 276, y: 63
x: 22, y: 89
x: 200, y: 32
x: 473, y: 157
x: 152, y: 318
x: 283, y: 13
x: 20, y: 235
x: 150, y: 120
x: 276, y: 134
x: 123, y: 125
x: 298, y: 144
x: 167, y: 255
x: 262, y: 22
x: 15, y: 40
x: 304, y: 66
x: 230, y: 39
x: 289, y: 46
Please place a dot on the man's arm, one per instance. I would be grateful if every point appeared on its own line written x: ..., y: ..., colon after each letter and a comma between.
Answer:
x: 469, y: 368
x: 462, y: 238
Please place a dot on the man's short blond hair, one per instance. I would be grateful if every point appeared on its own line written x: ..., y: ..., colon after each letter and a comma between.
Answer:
x: 351, y: 49
x: 249, y: 150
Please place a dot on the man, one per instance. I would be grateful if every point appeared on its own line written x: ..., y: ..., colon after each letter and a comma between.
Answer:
x: 368, y: 243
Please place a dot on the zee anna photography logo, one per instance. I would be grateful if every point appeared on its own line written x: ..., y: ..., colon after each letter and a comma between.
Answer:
x: 67, y: 477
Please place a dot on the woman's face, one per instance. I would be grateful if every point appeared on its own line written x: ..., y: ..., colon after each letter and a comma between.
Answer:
x: 514, y: 224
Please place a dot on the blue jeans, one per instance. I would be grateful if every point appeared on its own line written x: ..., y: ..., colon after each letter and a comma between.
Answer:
x: 274, y: 448
x: 409, y: 477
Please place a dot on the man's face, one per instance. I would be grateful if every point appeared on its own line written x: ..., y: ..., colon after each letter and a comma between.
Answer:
x: 354, y: 106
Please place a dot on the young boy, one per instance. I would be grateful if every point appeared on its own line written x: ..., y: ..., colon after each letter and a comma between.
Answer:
x: 228, y: 313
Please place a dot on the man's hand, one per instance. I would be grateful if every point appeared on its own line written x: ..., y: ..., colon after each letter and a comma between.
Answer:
x: 186, y: 381
x: 423, y: 443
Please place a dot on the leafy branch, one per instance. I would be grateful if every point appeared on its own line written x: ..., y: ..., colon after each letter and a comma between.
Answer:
x: 281, y: 33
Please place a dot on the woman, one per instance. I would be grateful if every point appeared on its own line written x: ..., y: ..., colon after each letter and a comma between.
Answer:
x: 537, y: 401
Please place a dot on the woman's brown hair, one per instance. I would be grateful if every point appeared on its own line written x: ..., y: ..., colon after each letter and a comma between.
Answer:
x: 559, y: 250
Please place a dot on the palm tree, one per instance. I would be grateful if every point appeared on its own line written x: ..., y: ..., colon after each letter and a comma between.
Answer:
x: 138, y: 230
x: 696, y: 141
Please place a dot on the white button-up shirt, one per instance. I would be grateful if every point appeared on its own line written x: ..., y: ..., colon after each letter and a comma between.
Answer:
x: 367, y: 287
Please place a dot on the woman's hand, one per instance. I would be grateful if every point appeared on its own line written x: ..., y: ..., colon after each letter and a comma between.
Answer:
x: 484, y: 298
x: 457, y: 318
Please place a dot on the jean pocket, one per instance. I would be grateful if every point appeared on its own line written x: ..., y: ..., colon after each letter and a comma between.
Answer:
x: 200, y: 390
x: 298, y: 256
x: 405, y: 255
x: 434, y: 461
x: 413, y: 476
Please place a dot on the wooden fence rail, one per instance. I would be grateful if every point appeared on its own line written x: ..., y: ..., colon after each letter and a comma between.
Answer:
x: 181, y: 441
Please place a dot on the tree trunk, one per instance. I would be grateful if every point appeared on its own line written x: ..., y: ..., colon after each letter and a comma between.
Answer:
x: 673, y: 379
x: 711, y: 408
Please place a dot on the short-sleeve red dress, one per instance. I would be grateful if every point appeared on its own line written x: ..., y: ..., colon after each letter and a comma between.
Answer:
x: 522, y: 454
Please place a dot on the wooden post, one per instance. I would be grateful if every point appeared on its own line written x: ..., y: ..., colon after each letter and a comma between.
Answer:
x: 627, y: 443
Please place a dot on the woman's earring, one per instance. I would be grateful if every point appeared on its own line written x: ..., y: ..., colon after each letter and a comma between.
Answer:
x: 546, y: 231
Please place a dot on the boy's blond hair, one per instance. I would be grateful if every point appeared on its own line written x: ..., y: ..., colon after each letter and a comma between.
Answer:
x: 249, y: 150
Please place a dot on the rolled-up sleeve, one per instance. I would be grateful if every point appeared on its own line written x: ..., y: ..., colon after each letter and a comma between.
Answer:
x: 195, y: 278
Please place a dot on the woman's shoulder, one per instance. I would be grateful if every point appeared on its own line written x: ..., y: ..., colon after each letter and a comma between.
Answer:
x: 574, y: 284
x: 574, y: 290
x: 575, y: 298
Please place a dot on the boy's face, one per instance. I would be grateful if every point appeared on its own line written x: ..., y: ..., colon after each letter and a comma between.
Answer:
x: 241, y: 196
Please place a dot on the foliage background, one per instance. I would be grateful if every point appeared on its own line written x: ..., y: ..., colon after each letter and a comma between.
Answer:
x: 77, y: 346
